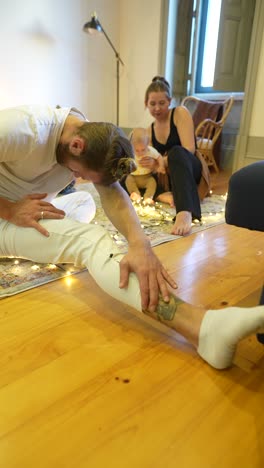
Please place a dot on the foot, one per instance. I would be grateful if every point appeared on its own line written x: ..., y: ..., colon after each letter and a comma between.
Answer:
x: 134, y: 196
x: 167, y: 198
x: 183, y: 223
x: 148, y: 201
x: 222, y: 329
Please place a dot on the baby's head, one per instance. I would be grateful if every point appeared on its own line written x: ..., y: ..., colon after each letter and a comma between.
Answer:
x: 140, y: 141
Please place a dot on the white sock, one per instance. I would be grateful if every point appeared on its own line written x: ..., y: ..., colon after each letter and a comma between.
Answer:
x: 222, y: 329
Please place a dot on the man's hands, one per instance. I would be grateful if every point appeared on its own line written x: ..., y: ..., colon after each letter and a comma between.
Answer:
x: 30, y: 209
x: 152, y: 276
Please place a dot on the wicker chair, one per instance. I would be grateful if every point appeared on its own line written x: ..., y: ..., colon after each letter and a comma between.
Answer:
x: 209, y: 118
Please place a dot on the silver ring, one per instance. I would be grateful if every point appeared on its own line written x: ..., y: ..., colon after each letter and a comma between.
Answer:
x: 42, y: 214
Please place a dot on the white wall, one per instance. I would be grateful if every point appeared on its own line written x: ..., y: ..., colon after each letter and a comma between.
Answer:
x: 45, y: 57
x: 256, y: 126
x: 139, y: 49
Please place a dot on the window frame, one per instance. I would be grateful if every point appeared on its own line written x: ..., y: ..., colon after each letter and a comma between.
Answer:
x: 198, y: 88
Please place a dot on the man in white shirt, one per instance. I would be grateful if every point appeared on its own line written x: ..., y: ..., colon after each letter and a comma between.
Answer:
x: 41, y: 150
x: 35, y: 165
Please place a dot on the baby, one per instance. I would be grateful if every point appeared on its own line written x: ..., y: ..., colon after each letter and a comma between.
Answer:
x: 141, y: 178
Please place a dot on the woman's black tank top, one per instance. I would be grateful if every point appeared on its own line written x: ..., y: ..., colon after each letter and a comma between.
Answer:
x: 173, y: 138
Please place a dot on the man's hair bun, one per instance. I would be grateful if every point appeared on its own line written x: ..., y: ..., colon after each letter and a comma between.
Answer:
x: 122, y: 167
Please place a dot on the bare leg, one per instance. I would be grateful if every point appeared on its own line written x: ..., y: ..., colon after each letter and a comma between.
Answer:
x: 214, y: 333
x: 183, y: 223
x: 184, y: 318
x: 167, y: 198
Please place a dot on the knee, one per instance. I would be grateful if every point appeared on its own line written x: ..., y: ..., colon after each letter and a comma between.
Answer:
x: 236, y: 181
x: 249, y: 178
x: 83, y: 197
x: 242, y: 188
x: 177, y: 156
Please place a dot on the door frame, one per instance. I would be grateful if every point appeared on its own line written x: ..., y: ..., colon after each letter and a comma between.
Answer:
x: 250, y: 86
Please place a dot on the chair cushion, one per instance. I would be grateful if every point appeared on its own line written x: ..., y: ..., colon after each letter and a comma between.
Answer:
x: 207, y: 110
x: 204, y: 143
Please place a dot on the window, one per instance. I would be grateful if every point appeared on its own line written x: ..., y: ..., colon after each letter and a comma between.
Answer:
x: 222, y: 48
x: 207, y: 45
x: 208, y: 38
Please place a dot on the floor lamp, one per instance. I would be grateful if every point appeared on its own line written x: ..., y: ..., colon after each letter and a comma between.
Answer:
x: 94, y: 27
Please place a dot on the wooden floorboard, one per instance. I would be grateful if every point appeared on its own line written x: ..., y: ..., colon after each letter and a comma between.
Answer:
x: 87, y: 382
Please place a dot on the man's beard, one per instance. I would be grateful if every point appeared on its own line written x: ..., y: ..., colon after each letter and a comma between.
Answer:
x: 63, y: 153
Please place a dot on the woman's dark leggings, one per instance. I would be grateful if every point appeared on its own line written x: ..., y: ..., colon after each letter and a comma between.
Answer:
x: 245, y: 203
x: 185, y: 172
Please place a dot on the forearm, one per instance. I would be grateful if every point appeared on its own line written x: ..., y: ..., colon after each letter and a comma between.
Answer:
x: 162, y: 164
x: 184, y: 124
x: 120, y: 211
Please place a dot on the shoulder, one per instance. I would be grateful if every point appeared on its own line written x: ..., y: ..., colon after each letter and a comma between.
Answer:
x: 181, y: 111
x: 18, y: 132
x: 181, y: 115
x: 77, y: 113
x: 28, y: 119
x: 23, y: 128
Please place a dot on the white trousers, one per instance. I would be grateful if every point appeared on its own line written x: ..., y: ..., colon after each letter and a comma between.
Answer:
x: 73, y: 240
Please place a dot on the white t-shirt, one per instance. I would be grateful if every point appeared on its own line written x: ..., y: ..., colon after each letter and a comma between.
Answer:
x: 152, y: 153
x: 29, y: 136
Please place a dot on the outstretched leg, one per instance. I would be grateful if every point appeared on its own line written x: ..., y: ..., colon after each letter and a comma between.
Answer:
x: 215, y: 333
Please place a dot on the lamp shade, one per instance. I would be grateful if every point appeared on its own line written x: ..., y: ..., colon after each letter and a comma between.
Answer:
x: 93, y: 26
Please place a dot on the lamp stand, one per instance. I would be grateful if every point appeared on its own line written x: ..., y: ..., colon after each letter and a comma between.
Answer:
x: 117, y: 90
x: 92, y: 26
x: 118, y: 60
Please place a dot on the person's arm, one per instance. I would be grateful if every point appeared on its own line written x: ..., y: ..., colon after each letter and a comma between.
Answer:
x: 162, y: 164
x: 184, y: 123
x: 140, y: 259
x: 149, y: 135
x: 150, y: 161
x: 29, y: 210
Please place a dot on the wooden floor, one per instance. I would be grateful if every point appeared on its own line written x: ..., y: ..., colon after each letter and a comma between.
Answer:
x: 87, y: 383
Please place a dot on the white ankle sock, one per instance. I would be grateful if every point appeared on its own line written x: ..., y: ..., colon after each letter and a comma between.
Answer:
x: 222, y: 329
